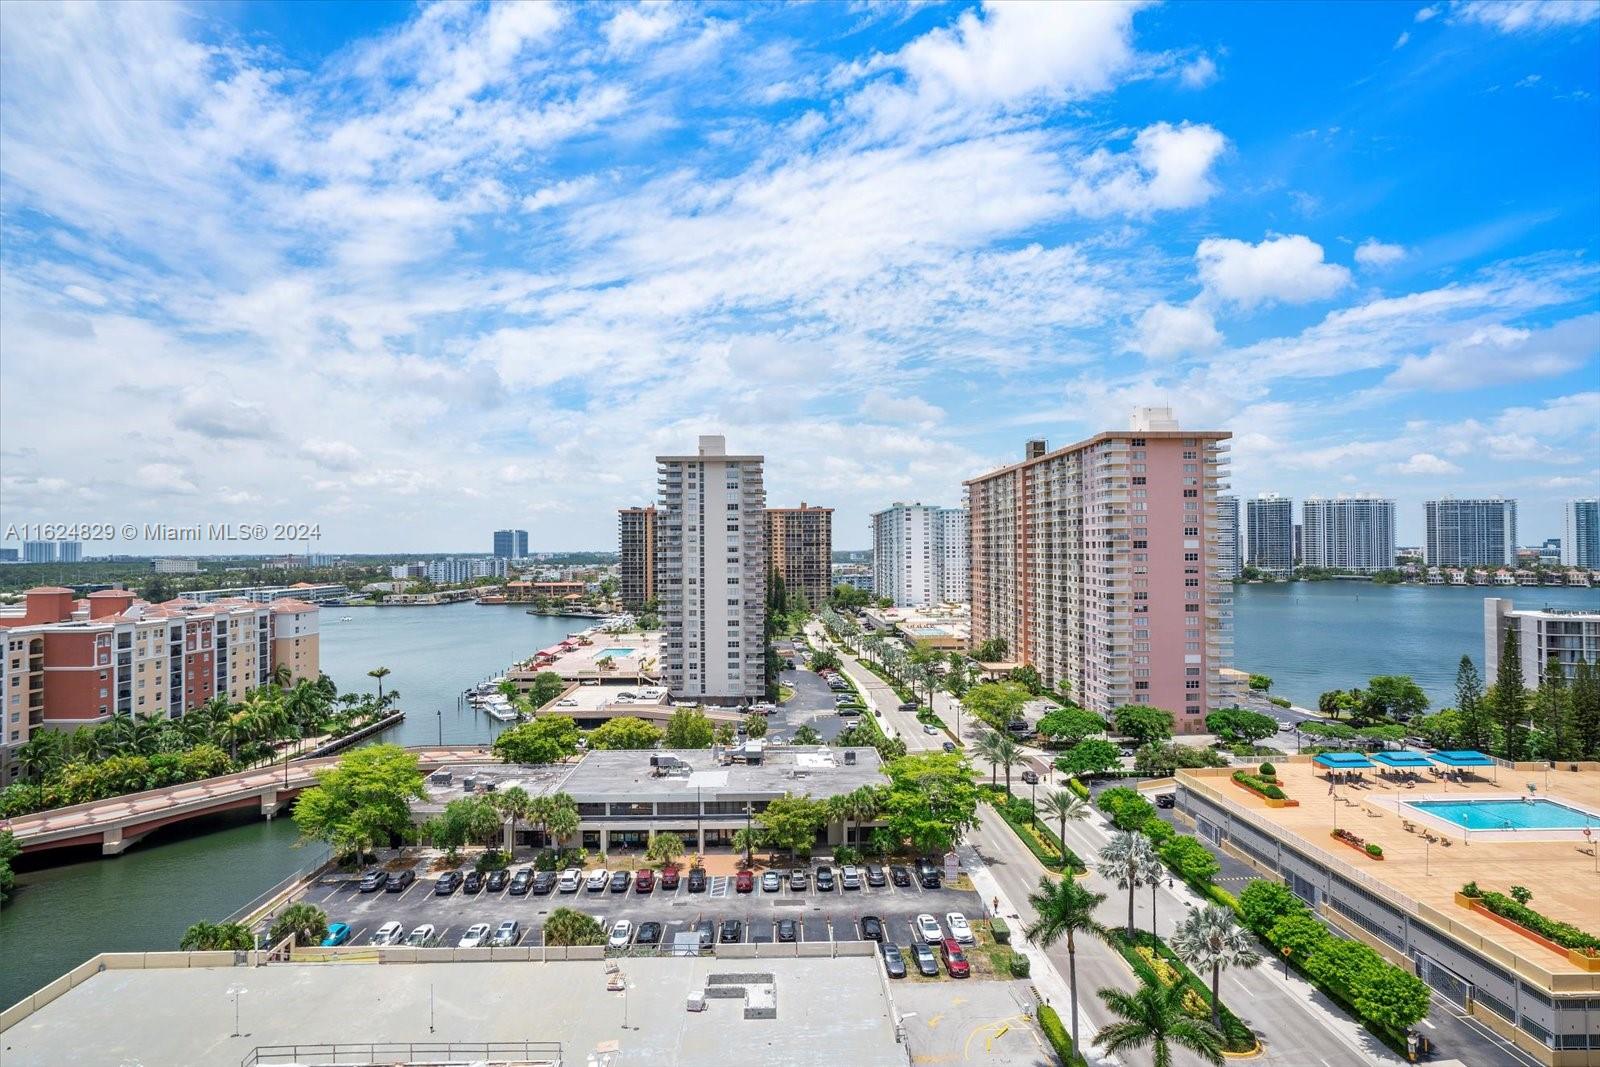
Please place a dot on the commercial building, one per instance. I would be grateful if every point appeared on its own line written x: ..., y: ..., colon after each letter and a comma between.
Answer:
x: 38, y: 551
x: 1098, y: 564
x: 636, y: 556
x: 176, y: 566
x: 1271, y: 547
x: 1471, y: 533
x: 403, y: 571
x: 1230, y: 546
x: 1543, y: 634
x: 511, y: 544
x: 800, y: 548
x: 711, y: 564
x: 71, y: 662
x: 8, y: 555
x: 458, y: 571
x: 920, y: 554
x: 310, y: 592
x: 1580, y: 534
x: 1348, y: 534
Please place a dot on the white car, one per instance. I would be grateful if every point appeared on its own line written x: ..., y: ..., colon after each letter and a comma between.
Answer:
x: 598, y: 880
x: 475, y: 936
x: 506, y: 934
x: 928, y: 929
x: 570, y: 880
x: 420, y: 936
x: 389, y: 933
x: 567, y: 703
x: 621, y: 934
x: 929, y: 728
x: 959, y: 929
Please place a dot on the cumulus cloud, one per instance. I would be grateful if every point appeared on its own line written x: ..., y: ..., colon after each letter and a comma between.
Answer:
x: 881, y: 405
x: 332, y: 455
x: 1198, y: 73
x: 1286, y: 269
x: 1165, y: 331
x: 165, y: 478
x: 1425, y: 463
x: 1375, y: 254
x: 1169, y: 167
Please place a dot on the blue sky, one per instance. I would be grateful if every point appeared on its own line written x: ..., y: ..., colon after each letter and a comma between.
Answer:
x: 417, y: 272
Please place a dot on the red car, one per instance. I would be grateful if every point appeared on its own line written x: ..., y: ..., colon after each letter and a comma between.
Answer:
x: 669, y: 878
x: 954, y: 961
x: 644, y: 881
x: 744, y: 882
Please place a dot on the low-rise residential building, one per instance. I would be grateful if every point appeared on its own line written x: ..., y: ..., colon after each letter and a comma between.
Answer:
x: 459, y: 571
x: 311, y: 593
x: 1543, y: 635
x: 175, y: 566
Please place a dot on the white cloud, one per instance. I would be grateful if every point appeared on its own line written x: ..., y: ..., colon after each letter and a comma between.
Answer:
x: 1425, y: 463
x: 1287, y: 269
x: 632, y: 28
x: 1403, y: 39
x: 1375, y: 254
x: 1165, y: 331
x: 332, y: 455
x: 1529, y: 81
x: 1198, y: 74
x: 881, y: 405
x: 167, y: 478
x: 1516, y: 16
x: 1169, y: 167
x: 557, y: 194
x: 1424, y: 14
x: 85, y: 295
x: 1493, y: 355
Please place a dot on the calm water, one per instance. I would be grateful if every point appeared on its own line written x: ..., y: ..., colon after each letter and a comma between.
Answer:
x: 1315, y: 636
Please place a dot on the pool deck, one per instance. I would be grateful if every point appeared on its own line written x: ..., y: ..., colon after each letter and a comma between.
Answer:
x: 1561, y: 873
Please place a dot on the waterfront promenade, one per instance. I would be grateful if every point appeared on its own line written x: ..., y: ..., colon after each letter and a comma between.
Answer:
x: 117, y: 822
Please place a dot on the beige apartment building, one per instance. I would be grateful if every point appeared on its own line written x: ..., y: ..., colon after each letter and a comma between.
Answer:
x: 636, y: 555
x: 1099, y: 565
x: 800, y: 547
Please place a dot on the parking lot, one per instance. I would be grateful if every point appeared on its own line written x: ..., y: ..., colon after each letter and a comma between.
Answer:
x: 820, y: 916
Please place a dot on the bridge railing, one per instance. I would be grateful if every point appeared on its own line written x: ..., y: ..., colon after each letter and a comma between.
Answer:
x: 263, y: 901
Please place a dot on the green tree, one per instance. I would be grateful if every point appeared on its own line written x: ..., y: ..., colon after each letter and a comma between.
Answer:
x: 1511, y: 699
x: 755, y: 725
x: 1260, y: 682
x: 1191, y: 859
x: 1063, y: 805
x: 306, y: 923
x: 1126, y: 809
x: 1154, y: 1016
x: 557, y: 815
x: 1209, y: 938
x: 723, y: 733
x: 9, y: 850
x: 564, y: 926
x: 1394, y: 696
x: 1475, y: 719
x: 1143, y: 723
x: 624, y: 732
x: 1093, y: 756
x: 363, y: 800
x: 514, y: 804
x: 664, y: 848
x: 932, y: 800
x: 1586, y: 709
x: 824, y: 659
x: 1263, y: 903
x: 1065, y: 909
x: 545, y: 687
x: 996, y: 703
x: 689, y: 728
x: 1552, y: 715
x: 994, y: 650
x: 209, y: 936
x: 547, y: 739
x: 1127, y: 859
x: 1155, y: 760
x: 791, y: 822
x: 1027, y: 677
x: 1391, y: 997
x: 1444, y: 729
x: 807, y: 735
x: 1068, y: 726
x: 463, y: 821
x: 380, y: 673
x: 1238, y: 725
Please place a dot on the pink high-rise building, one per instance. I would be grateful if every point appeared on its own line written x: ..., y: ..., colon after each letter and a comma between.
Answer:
x: 1098, y: 564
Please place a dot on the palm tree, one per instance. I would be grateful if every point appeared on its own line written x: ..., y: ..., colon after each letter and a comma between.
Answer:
x: 987, y: 749
x: 1153, y: 1015
x: 1065, y: 909
x: 565, y: 926
x: 205, y: 936
x: 1008, y: 754
x: 42, y: 753
x: 1210, y: 938
x: 1125, y: 860
x: 514, y: 804
x: 280, y: 676
x: 858, y: 807
x: 1062, y: 805
x: 807, y: 735
x: 560, y: 816
x: 380, y: 673
x: 306, y: 923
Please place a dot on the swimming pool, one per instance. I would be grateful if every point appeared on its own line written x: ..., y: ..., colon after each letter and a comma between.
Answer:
x: 614, y: 653
x: 1534, y: 814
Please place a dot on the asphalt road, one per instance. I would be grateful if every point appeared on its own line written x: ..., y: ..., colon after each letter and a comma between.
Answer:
x: 812, y: 704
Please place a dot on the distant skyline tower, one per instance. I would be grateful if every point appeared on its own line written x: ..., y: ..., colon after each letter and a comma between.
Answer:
x: 636, y: 555
x: 1471, y: 533
x: 800, y: 547
x: 1230, y: 555
x: 1270, y: 521
x: 1347, y: 533
x: 511, y: 544
x: 1580, y: 534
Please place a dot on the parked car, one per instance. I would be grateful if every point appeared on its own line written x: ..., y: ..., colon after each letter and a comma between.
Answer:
x: 849, y: 878
x: 871, y: 928
x: 400, y: 882
x: 497, y: 880
x: 448, y: 883
x: 473, y: 882
x: 928, y: 875
x: 708, y: 933
x: 788, y: 930
x: 389, y: 933
x: 649, y: 933
x: 506, y: 934
x: 960, y: 929
x: 644, y: 881
x: 824, y: 879
x: 744, y: 882
x: 619, y: 881
x: 474, y: 936
x: 949, y: 746
x: 598, y: 880
x: 927, y: 962
x: 875, y: 877
x: 1166, y: 800
x: 570, y: 880
x: 928, y: 929
x: 771, y: 882
x: 1030, y: 777
x: 697, y: 879
x: 893, y: 961
x: 900, y: 875
x: 850, y: 710
x: 338, y: 934
x: 522, y: 882
x: 798, y: 878
x: 621, y: 934
x: 420, y: 937
x: 954, y: 960
x: 669, y: 879
x: 543, y: 883
x: 732, y: 932
x: 843, y: 699
x: 374, y: 880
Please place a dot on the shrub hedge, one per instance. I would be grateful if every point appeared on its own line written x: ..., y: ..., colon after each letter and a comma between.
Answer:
x: 1564, y: 934
x: 1237, y: 1037
x: 1057, y: 1035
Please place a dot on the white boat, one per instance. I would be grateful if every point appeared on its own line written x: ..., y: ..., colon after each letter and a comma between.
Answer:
x: 503, y: 712
x: 347, y: 618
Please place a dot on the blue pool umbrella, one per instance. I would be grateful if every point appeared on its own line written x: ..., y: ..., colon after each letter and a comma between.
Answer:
x: 1466, y: 759
x: 1404, y: 759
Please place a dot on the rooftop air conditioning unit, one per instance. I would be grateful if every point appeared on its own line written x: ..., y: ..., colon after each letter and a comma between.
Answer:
x: 849, y: 758
x: 468, y: 784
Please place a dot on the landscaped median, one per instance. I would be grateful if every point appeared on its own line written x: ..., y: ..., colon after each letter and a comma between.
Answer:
x: 1155, y: 963
x: 1579, y: 946
x: 1059, y: 1039
x: 1046, y: 847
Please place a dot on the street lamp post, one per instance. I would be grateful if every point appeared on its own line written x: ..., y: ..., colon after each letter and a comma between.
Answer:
x: 439, y: 714
x: 747, y: 833
x: 1033, y: 800
x: 236, y: 992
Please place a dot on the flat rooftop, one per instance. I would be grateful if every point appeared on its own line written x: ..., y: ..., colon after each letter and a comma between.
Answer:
x: 827, y: 1009
x: 814, y: 769
x: 1558, y: 870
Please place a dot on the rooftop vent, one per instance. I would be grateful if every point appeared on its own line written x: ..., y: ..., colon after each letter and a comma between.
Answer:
x: 849, y: 758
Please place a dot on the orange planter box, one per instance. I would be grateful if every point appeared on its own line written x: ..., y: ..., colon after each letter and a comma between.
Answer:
x: 1576, y: 956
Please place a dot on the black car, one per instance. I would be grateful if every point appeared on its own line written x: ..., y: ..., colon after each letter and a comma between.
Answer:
x: 927, y: 962
x: 1166, y: 800
x: 399, y: 883
x: 373, y: 881
x: 824, y: 879
x: 649, y: 934
x: 928, y: 875
x: 798, y: 878
x: 876, y: 878
x: 619, y: 881
x: 543, y: 883
x: 497, y: 880
x: 893, y: 962
x: 871, y: 928
x: 788, y: 930
x: 707, y: 931
x: 697, y: 879
x: 900, y: 875
x: 448, y: 883
x: 949, y: 746
x: 473, y: 883
x: 909, y: 706
x: 520, y: 884
x: 1030, y: 777
x: 732, y: 932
